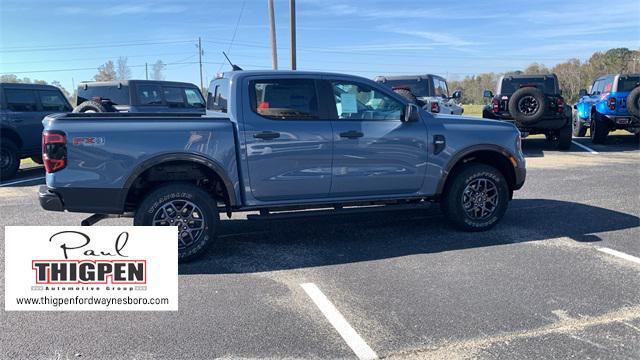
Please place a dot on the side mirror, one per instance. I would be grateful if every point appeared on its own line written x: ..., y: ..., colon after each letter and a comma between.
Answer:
x: 582, y: 93
x: 411, y: 113
x: 487, y: 94
x: 457, y: 94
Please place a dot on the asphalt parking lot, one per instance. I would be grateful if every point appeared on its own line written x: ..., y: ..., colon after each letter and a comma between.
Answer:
x: 558, y: 278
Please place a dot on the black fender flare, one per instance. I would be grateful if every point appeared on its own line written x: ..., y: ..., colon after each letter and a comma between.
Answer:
x: 195, y: 158
x: 499, y: 150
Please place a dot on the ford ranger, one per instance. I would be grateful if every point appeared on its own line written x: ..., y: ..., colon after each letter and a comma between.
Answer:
x: 274, y: 141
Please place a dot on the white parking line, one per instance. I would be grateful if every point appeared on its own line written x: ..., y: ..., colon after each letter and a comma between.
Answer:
x: 21, y: 181
x: 620, y: 254
x: 350, y: 336
x: 585, y: 147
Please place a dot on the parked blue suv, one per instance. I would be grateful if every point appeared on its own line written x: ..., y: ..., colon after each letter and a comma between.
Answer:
x: 611, y: 104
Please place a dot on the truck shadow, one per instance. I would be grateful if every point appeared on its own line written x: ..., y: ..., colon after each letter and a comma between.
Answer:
x: 247, y: 246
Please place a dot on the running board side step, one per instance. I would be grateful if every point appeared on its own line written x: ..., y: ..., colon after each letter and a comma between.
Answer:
x: 91, y: 220
x: 265, y: 214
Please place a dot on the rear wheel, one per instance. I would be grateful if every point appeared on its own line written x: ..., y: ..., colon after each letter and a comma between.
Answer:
x: 564, y: 136
x: 599, y: 128
x: 579, y: 130
x: 9, y: 161
x: 189, y: 208
x: 476, y: 199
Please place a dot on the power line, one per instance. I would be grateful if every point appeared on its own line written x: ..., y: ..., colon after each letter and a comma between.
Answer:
x: 88, y: 68
x: 101, y: 46
x: 235, y: 32
x: 95, y: 58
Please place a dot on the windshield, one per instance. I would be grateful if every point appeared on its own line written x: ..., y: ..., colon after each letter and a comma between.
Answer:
x: 417, y: 88
x: 510, y: 85
x: 627, y: 83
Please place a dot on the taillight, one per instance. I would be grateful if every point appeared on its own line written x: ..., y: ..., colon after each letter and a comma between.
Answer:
x: 435, y: 108
x: 495, y: 105
x: 560, y: 104
x: 612, y: 103
x: 54, y: 150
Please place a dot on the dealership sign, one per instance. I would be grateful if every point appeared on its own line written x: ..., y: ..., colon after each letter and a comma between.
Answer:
x: 91, y: 268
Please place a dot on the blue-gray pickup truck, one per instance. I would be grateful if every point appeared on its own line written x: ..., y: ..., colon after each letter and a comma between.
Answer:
x: 274, y: 141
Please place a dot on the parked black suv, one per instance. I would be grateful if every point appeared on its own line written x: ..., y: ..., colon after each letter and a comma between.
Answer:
x: 139, y: 96
x: 22, y: 108
x: 534, y: 103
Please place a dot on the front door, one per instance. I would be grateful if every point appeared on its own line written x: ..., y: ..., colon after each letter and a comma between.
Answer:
x: 375, y: 153
x: 25, y: 117
x: 288, y: 139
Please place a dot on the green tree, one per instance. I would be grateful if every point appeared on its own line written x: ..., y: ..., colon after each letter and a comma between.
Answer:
x: 106, y: 72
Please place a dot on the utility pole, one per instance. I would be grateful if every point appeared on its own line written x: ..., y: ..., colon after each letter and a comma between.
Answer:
x: 292, y: 26
x: 272, y: 27
x: 200, y: 60
x: 146, y: 70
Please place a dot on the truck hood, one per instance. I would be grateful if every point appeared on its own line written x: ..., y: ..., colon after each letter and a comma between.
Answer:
x: 474, y: 121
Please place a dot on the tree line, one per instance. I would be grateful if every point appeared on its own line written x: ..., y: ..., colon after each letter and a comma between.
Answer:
x: 573, y: 74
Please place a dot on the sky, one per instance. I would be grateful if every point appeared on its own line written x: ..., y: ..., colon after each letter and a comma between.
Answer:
x: 67, y: 40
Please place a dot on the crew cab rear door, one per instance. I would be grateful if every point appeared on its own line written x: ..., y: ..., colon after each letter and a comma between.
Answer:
x: 375, y: 153
x: 288, y: 138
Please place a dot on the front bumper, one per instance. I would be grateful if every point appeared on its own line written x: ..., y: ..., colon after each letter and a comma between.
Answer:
x: 49, y: 200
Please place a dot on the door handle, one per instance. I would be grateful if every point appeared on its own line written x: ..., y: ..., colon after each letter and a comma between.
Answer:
x: 267, y: 135
x: 16, y: 120
x: 351, y: 134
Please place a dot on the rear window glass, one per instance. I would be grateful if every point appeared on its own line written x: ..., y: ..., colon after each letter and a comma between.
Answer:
x: 117, y: 96
x: 628, y: 83
x: 149, y: 95
x: 509, y: 86
x: 173, y: 97
x: 52, y: 101
x: 417, y: 88
x: 285, y: 98
x: 20, y: 100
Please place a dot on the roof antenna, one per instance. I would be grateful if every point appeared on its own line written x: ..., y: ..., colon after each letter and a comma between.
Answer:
x: 234, y: 67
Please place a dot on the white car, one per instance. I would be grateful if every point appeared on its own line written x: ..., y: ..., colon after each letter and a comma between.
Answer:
x: 429, y: 91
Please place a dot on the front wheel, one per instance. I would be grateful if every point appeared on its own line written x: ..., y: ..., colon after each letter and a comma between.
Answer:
x: 189, y: 208
x: 476, y: 199
x: 9, y: 160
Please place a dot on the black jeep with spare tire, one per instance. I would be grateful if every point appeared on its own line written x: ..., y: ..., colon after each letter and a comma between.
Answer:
x: 534, y: 103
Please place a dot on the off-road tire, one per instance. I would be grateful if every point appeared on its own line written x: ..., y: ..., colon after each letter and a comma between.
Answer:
x: 180, y: 193
x: 633, y: 102
x: 521, y: 94
x: 599, y: 128
x: 563, y: 136
x: 91, y: 106
x: 9, y: 161
x: 407, y: 94
x: 579, y: 130
x: 452, y: 200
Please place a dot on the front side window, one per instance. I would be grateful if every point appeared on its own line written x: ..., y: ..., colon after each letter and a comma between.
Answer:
x: 52, y: 101
x: 359, y: 101
x: 173, y: 97
x: 20, y: 100
x: 440, y: 88
x: 149, y: 95
x: 194, y: 99
x: 285, y: 98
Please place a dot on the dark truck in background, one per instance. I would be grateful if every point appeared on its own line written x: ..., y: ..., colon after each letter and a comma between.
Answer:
x: 278, y: 141
x: 139, y: 96
x: 534, y: 103
x: 22, y: 108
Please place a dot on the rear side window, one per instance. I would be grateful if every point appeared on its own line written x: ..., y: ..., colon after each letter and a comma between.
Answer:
x: 174, y: 97
x: 194, y: 98
x: 628, y: 83
x: 608, y: 84
x: 217, y: 100
x: 285, y: 98
x: 52, y: 101
x: 149, y: 95
x: 20, y: 100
